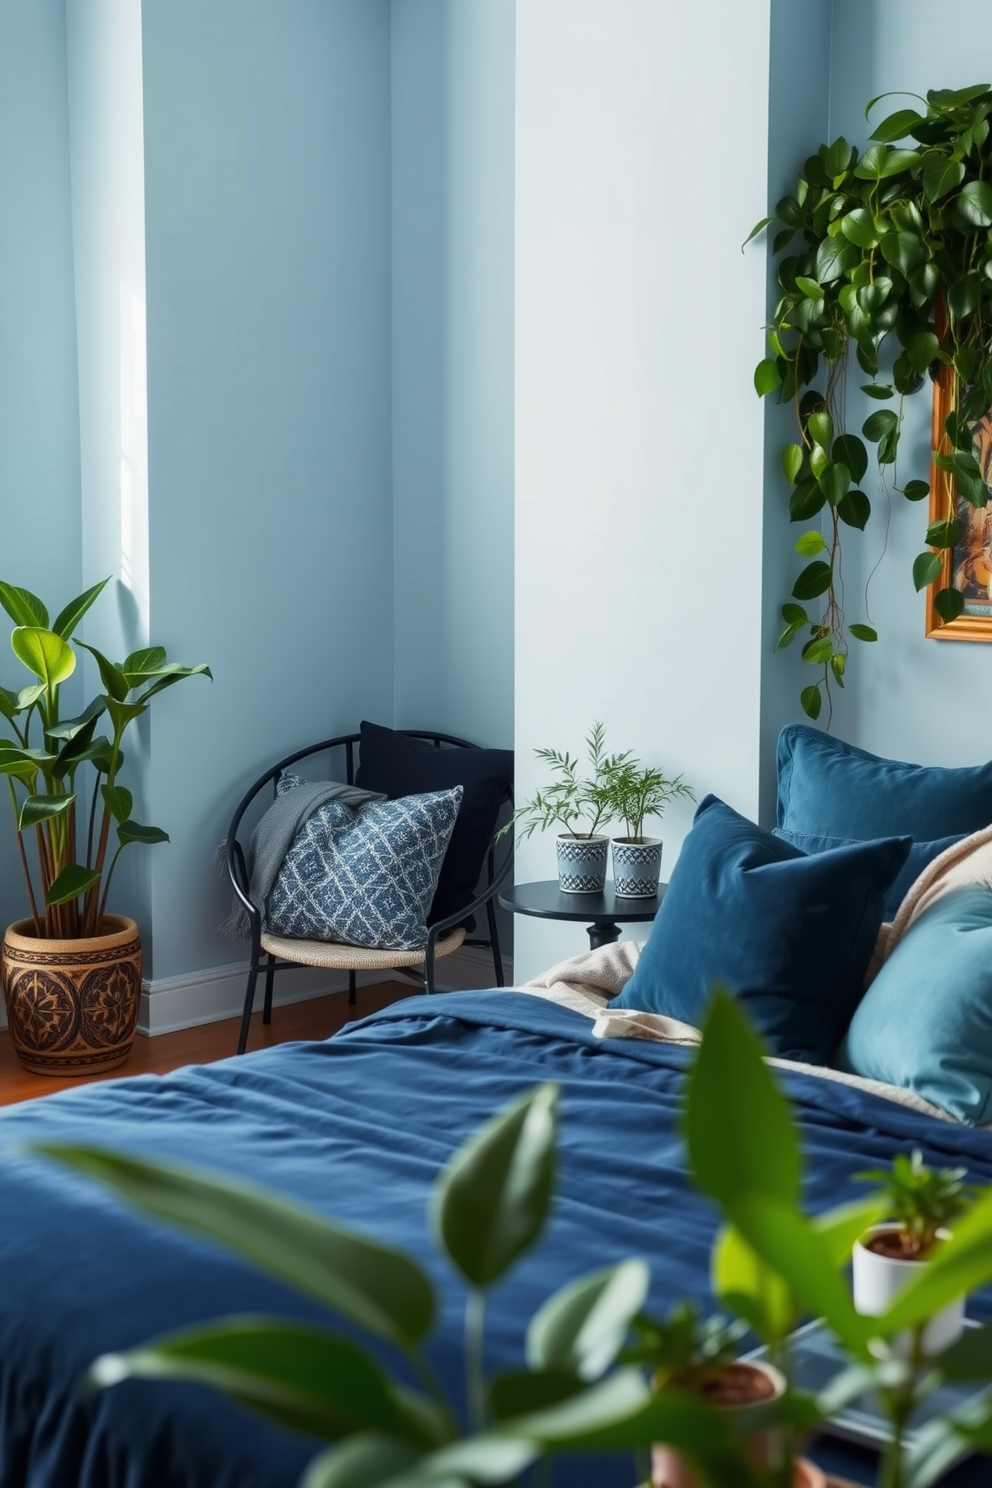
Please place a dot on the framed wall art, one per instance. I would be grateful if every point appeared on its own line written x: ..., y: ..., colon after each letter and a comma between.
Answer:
x: 968, y: 564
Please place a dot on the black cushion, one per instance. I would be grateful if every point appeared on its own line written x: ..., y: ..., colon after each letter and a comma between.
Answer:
x: 400, y: 766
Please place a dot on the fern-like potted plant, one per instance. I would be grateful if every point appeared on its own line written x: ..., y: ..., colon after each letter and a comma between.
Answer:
x: 577, y: 805
x: 635, y: 793
x: 72, y: 971
x: 922, y: 1203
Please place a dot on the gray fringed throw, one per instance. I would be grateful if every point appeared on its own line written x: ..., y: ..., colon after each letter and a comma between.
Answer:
x: 273, y: 837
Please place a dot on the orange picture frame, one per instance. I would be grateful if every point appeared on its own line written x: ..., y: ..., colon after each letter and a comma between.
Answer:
x: 969, y: 563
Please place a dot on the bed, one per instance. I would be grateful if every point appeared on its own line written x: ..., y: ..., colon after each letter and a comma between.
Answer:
x: 357, y: 1127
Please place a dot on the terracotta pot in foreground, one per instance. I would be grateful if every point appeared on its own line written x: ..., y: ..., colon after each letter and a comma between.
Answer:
x: 72, y: 1005
x: 736, y: 1386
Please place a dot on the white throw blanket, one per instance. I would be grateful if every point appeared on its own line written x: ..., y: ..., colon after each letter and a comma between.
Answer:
x: 587, y: 982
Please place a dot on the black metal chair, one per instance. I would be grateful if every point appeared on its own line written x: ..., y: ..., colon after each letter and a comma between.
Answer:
x: 273, y: 953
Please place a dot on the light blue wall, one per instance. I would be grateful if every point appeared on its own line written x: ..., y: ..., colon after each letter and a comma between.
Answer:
x: 798, y: 119
x: 268, y: 278
x: 39, y: 425
x: 452, y: 277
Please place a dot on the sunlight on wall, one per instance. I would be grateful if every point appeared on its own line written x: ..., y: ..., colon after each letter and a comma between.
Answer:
x: 133, y: 570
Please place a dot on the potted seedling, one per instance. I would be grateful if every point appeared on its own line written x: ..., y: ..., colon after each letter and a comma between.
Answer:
x: 922, y: 1202
x: 577, y: 804
x: 72, y: 970
x: 637, y: 792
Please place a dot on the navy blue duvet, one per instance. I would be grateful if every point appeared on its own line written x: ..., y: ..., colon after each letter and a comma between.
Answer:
x: 357, y: 1127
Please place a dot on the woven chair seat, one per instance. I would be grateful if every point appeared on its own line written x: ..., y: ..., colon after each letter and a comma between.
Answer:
x: 353, y: 958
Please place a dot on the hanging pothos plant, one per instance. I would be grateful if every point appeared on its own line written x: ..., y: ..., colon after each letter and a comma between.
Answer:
x: 888, y: 255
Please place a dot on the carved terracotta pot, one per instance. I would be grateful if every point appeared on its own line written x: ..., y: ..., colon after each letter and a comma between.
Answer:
x: 72, y: 1005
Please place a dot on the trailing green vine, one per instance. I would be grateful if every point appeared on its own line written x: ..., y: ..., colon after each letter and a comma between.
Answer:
x: 886, y: 254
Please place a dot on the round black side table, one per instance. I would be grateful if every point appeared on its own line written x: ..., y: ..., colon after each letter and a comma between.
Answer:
x: 606, y: 911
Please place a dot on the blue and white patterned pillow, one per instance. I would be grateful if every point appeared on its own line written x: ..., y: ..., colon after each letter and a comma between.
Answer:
x: 364, y: 876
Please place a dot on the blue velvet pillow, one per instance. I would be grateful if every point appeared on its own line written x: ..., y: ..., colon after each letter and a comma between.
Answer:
x: 832, y: 789
x: 921, y: 854
x: 789, y: 933
x: 925, y: 1023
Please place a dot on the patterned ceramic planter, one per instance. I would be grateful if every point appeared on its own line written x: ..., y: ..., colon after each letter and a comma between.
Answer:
x: 582, y: 864
x: 636, y: 867
x: 72, y: 1005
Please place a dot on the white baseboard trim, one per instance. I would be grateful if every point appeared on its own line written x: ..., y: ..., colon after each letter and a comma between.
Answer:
x: 171, y: 1003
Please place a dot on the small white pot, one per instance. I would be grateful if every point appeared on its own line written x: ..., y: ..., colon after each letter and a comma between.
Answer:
x: 581, y: 864
x: 636, y: 867
x: 879, y: 1279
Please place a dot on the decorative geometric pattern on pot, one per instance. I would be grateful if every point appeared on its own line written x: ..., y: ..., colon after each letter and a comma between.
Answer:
x: 108, y: 1004
x: 41, y: 1006
x: 581, y: 865
x: 636, y: 869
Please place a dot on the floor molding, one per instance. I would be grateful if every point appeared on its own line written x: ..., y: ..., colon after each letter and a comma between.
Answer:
x: 171, y: 1003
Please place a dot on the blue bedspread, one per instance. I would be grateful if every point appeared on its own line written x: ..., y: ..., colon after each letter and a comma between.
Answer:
x: 357, y: 1127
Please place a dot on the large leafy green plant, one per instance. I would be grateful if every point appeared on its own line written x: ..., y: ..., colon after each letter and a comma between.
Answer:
x: 771, y: 1262
x: 884, y: 258
x: 51, y: 759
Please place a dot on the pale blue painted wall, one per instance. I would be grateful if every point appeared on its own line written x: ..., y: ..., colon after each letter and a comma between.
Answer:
x: 268, y: 276
x: 452, y: 276
x: 916, y: 699
x: 39, y: 425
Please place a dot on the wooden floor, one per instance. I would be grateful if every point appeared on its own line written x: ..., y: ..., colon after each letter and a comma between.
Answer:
x: 317, y: 1019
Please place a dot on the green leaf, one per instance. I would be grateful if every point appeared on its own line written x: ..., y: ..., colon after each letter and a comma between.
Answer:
x: 964, y: 294
x: 970, y: 1358
x: 943, y: 534
x: 841, y: 1226
x: 301, y: 1377
x: 756, y: 229
x: 67, y: 619
x: 859, y: 227
x: 72, y: 727
x: 838, y: 665
x: 821, y: 427
x: 810, y: 701
x: 747, y: 1286
x: 916, y: 490
x: 926, y: 570
x: 518, y: 1391
x: 23, y: 607
x: 365, y: 1281
x: 581, y: 1329
x: 974, y: 202
x: 118, y: 801
x: 70, y: 883
x: 848, y: 450
x: 170, y: 675
x: 767, y: 377
x: 121, y: 714
x: 835, y: 483
x: 877, y: 425
x: 814, y: 580
x: 836, y: 157
x: 792, y: 460
x: 808, y: 546
x: 863, y: 632
x: 607, y: 1413
x: 949, y: 604
x: 818, y: 650
x: 143, y: 664
x: 879, y: 390
x: 786, y: 638
x: 35, y: 809
x: 903, y: 250
x: 897, y: 125
x: 879, y: 162
x: 922, y: 349
x: 854, y: 508
x: 365, y: 1460
x: 732, y: 1158
x: 25, y: 763
x: 941, y: 175
x: 806, y: 500
x: 110, y: 674
x: 492, y: 1198
x: 794, y: 614
x: 834, y: 256
x: 132, y: 831
x: 44, y: 653
x: 819, y: 460
x: 789, y: 211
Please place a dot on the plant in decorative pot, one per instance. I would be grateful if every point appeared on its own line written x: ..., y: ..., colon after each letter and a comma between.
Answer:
x: 577, y: 805
x: 72, y: 972
x: 921, y: 1203
x: 636, y: 792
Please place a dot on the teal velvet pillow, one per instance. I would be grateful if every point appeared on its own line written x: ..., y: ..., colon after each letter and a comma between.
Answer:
x: 828, y: 788
x: 925, y: 1023
x: 921, y: 855
x: 789, y: 933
